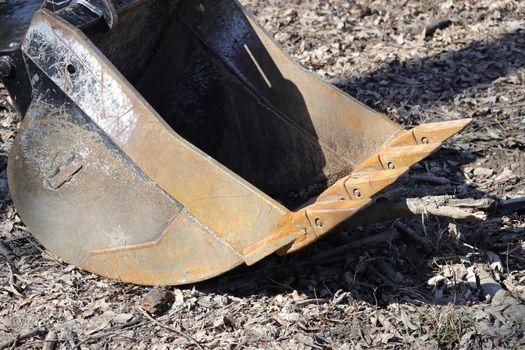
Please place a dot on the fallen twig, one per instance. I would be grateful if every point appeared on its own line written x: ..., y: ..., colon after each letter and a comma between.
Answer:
x: 385, y: 208
x: 6, y: 252
x: 513, y: 204
x: 339, y: 252
x: 112, y: 330
x: 71, y: 339
x: 50, y: 341
x: 511, y: 308
x: 407, y: 231
x: 181, y: 333
x: 12, y: 287
x: 433, y: 27
x: 431, y: 179
x: 30, y: 334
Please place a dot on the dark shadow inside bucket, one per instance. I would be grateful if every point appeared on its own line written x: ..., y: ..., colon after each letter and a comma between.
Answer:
x: 204, y: 69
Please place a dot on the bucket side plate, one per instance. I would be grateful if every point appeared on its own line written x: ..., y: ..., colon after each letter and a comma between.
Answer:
x: 86, y: 202
x: 233, y: 209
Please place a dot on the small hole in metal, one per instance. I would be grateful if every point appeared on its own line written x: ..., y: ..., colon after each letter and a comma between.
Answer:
x: 71, y: 69
x: 318, y: 222
x: 391, y: 165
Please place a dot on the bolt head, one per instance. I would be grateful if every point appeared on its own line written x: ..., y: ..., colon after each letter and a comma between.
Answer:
x: 6, y: 67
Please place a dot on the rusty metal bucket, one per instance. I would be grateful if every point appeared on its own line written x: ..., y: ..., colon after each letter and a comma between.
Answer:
x: 156, y: 135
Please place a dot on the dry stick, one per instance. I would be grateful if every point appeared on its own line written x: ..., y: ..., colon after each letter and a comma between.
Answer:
x: 385, y: 209
x: 181, y: 333
x: 513, y: 204
x: 50, y: 341
x: 71, y: 339
x: 514, y: 310
x: 313, y: 346
x: 338, y: 253
x: 12, y: 287
x: 431, y: 179
x: 439, y: 24
x: 390, y: 207
x: 6, y: 252
x: 112, y: 330
x: 407, y: 231
x: 32, y: 333
x: 8, y: 255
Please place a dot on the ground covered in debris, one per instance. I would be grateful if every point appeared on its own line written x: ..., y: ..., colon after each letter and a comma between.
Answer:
x: 421, y: 282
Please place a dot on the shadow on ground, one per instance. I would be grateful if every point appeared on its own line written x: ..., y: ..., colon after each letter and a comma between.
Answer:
x: 438, y: 79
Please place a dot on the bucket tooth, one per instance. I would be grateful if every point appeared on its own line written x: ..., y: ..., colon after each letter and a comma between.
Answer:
x: 285, y: 233
x: 396, y: 157
x: 269, y: 245
x: 323, y: 217
x: 440, y: 131
x: 430, y: 133
x: 406, y: 156
x: 361, y: 185
x: 368, y: 185
x: 413, y: 145
x: 294, y: 224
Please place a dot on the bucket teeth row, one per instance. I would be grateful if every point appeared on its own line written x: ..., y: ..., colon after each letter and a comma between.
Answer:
x: 340, y: 202
x: 355, y: 191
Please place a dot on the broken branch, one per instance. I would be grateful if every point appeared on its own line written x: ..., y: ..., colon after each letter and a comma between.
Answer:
x: 158, y: 323
x: 339, y: 252
x: 30, y: 334
x: 384, y: 209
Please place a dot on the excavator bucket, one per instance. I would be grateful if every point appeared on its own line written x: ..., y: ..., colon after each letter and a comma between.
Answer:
x: 156, y: 136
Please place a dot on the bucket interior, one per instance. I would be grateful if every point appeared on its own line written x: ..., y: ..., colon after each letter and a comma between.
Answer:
x: 15, y: 18
x: 195, y: 64
x: 217, y: 79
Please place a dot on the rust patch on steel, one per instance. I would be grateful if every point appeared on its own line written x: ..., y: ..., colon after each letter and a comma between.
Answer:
x: 65, y: 173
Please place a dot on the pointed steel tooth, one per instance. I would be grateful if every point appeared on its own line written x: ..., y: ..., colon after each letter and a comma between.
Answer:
x: 406, y: 156
x: 361, y: 185
x: 325, y: 216
x: 439, y: 132
x: 270, y: 244
x: 430, y: 133
x: 335, y: 192
x: 369, y: 184
x: 405, y: 138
